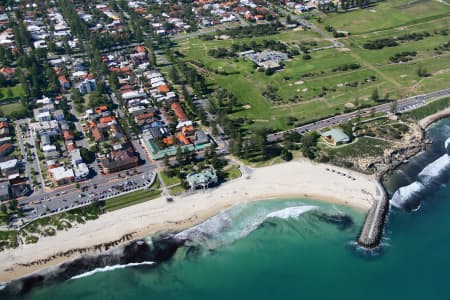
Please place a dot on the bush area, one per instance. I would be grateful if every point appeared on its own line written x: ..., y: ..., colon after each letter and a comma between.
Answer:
x: 48, y: 226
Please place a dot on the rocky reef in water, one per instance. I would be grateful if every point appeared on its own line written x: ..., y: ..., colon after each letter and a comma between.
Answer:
x: 158, y: 250
x: 342, y: 221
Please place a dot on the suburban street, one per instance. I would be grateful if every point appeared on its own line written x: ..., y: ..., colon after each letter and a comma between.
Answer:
x: 403, y: 105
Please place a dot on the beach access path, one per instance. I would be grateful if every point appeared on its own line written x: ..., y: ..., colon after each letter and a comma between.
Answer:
x: 296, y: 179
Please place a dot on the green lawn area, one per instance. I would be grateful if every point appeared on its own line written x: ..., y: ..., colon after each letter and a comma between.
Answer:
x: 312, y: 89
x: 16, y: 90
x: 232, y: 173
x: 130, y: 199
x: 300, y: 86
x: 8, y: 109
x: 178, y: 189
x: 388, y: 14
x: 168, y: 181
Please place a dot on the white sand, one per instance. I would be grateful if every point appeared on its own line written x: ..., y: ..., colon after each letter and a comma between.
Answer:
x: 293, y: 179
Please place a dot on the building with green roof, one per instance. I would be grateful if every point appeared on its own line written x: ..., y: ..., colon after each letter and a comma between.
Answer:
x: 335, y: 136
x: 203, y: 179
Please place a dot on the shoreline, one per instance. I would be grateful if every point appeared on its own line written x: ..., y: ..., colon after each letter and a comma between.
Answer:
x: 296, y: 179
x: 428, y: 120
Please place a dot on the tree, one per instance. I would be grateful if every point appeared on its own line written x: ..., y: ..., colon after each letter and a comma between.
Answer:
x: 375, y: 95
x: 394, y: 106
x: 179, y: 154
x: 3, y: 209
x: 422, y: 72
x: 166, y: 160
x: 87, y: 156
x: 286, y: 155
x: 114, y: 81
x: 13, y: 204
x: 288, y: 19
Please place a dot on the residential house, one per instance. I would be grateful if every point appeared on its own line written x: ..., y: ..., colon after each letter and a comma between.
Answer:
x: 87, y: 86
x: 65, y: 84
x: 6, y: 149
x: 58, y: 115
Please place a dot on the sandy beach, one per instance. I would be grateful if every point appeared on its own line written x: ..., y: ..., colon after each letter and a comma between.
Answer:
x: 297, y: 179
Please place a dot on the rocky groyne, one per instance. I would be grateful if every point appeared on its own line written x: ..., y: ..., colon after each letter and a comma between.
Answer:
x: 372, y: 231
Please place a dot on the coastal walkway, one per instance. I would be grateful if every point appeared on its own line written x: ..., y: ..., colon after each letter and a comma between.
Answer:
x: 373, y: 227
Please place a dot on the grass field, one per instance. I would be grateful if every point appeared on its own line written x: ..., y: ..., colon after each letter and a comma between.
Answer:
x: 168, y: 181
x: 8, y: 109
x: 306, y: 90
x: 175, y: 190
x: 389, y: 14
x: 232, y: 173
x: 16, y: 91
x: 130, y: 199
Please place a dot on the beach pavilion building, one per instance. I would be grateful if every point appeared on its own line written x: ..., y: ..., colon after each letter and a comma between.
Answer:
x: 203, y: 179
x: 335, y: 136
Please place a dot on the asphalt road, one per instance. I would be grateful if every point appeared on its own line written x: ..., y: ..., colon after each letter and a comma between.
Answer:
x: 403, y: 105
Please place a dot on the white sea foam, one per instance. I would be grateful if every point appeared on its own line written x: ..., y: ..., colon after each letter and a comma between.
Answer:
x: 111, y: 268
x: 410, y: 196
x: 406, y: 193
x: 2, y: 286
x: 434, y: 169
x: 447, y: 145
x: 230, y: 225
x: 290, y: 212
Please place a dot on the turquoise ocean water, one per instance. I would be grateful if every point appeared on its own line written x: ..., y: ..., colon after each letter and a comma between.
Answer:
x: 285, y: 249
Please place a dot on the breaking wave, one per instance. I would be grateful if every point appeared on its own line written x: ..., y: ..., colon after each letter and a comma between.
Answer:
x: 233, y: 224
x: 433, y: 175
x: 111, y: 268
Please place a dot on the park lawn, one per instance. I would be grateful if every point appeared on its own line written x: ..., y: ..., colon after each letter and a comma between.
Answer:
x: 130, y: 199
x: 424, y: 48
x: 175, y: 190
x: 406, y: 74
x: 300, y: 86
x: 388, y: 14
x: 17, y: 91
x: 439, y: 80
x: 232, y: 172
x: 168, y: 181
x: 8, y: 109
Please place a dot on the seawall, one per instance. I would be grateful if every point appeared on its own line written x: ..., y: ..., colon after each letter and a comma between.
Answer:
x: 373, y: 228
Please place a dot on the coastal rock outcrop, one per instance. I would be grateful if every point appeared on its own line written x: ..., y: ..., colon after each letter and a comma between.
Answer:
x: 158, y: 250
